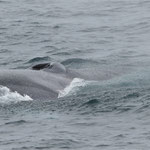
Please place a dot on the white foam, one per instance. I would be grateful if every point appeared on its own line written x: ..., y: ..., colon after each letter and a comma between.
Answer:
x: 7, y: 96
x: 72, y: 87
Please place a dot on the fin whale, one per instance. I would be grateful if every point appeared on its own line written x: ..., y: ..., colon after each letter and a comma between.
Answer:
x: 44, y: 81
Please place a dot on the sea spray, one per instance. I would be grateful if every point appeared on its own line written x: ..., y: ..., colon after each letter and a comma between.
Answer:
x: 73, y: 87
x: 7, y: 96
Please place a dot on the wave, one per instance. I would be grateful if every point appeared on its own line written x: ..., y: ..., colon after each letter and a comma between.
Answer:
x: 39, y: 59
x: 78, y: 61
x: 7, y: 96
x: 72, y: 88
x: 18, y: 122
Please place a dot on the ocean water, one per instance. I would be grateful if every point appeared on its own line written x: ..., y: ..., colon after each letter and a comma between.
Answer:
x: 110, y: 35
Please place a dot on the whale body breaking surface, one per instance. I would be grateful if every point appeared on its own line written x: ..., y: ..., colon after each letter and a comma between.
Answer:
x: 44, y: 81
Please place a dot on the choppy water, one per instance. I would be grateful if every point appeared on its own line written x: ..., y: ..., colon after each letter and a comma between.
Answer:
x: 112, y: 35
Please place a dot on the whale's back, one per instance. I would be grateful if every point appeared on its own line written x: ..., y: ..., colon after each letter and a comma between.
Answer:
x: 36, y: 84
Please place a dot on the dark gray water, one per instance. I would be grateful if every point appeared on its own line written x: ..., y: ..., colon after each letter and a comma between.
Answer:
x: 111, y: 35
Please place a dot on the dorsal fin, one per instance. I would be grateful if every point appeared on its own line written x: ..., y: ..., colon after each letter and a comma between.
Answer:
x: 41, y: 66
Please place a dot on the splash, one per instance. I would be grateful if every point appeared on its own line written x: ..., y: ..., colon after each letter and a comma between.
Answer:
x: 73, y: 87
x: 7, y: 96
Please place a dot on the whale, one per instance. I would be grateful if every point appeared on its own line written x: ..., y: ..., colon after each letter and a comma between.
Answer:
x: 44, y: 81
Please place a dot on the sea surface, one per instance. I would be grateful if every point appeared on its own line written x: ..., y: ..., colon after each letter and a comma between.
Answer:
x: 110, y: 35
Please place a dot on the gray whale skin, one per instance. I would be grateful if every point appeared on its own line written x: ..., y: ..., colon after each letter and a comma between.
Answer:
x: 43, y: 81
